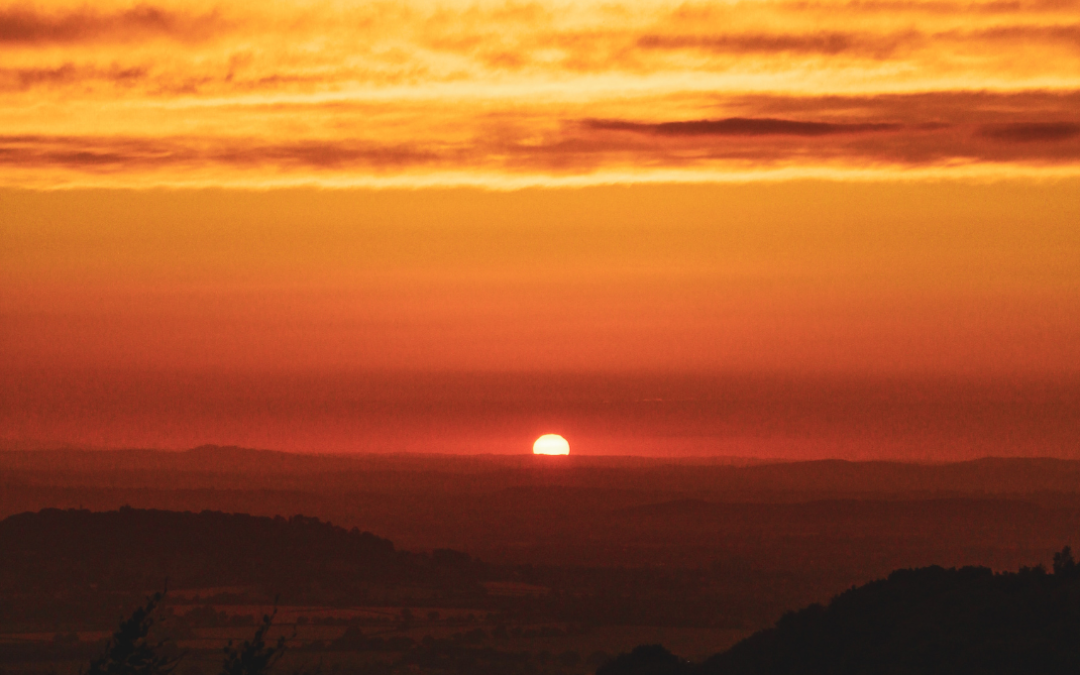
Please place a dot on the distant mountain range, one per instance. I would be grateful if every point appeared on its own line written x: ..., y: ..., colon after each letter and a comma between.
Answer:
x: 719, y: 474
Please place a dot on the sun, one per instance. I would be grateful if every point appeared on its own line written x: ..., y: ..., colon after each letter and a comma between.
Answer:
x: 551, y: 444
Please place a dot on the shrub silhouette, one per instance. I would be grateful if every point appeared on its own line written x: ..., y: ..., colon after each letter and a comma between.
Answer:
x: 254, y: 656
x: 130, y: 651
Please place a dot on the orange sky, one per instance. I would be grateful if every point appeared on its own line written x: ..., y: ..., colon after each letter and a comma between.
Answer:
x: 793, y: 276
x: 875, y: 188
x: 503, y: 94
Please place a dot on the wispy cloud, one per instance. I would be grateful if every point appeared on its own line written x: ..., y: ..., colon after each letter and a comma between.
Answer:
x: 339, y: 91
x: 1033, y: 132
x: 118, y: 153
x: 825, y: 43
x: 581, y: 147
x: 68, y: 74
x: 30, y: 25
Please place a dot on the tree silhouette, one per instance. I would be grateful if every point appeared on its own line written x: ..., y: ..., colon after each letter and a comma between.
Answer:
x: 130, y: 651
x: 1064, y: 565
x: 254, y: 656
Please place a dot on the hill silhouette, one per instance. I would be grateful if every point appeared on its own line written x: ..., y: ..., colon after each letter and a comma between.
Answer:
x: 139, y: 548
x: 925, y: 621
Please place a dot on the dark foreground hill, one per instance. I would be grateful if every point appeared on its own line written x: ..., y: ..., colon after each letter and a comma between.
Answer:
x: 929, y: 620
x: 926, y: 621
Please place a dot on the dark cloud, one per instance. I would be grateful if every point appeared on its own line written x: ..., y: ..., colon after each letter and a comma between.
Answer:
x: 1067, y: 33
x: 327, y: 155
x: 120, y: 153
x: 1037, y: 132
x: 740, y: 126
x: 862, y: 44
x: 937, y: 6
x: 987, y: 130
x: 828, y: 43
x: 27, y: 25
x: 939, y: 106
x: 25, y: 78
x: 90, y: 153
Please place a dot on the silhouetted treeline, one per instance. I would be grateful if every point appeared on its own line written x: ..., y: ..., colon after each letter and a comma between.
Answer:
x: 121, y: 549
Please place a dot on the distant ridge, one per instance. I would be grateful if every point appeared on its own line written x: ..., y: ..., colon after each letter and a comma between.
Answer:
x: 990, y: 475
x: 12, y: 449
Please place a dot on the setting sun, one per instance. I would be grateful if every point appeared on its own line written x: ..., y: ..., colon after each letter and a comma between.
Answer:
x: 551, y: 444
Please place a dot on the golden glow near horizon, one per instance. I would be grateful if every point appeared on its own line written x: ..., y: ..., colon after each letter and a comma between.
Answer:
x: 509, y: 94
x: 551, y: 444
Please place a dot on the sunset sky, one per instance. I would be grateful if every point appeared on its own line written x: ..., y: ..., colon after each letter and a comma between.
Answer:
x: 764, y: 228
